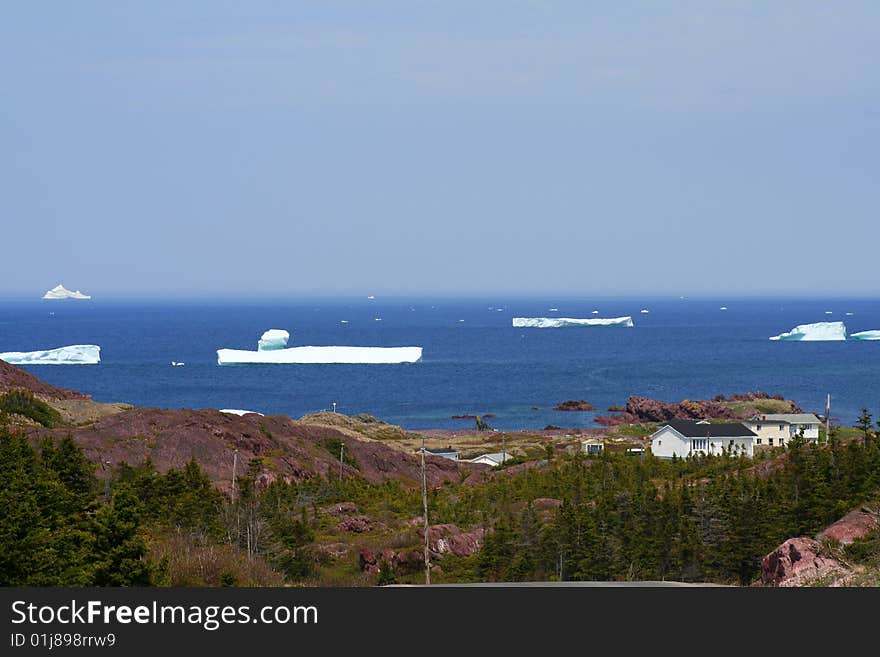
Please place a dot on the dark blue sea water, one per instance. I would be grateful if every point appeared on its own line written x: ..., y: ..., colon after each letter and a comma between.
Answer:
x: 683, y: 348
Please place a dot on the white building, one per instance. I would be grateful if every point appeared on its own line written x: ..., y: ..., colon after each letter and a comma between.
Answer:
x: 690, y: 437
x: 592, y: 446
x: 493, y: 459
x: 775, y: 429
x: 445, y: 452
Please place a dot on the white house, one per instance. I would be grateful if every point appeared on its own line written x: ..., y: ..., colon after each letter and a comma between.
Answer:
x: 592, y: 446
x: 445, y: 452
x: 493, y: 459
x: 774, y: 429
x: 685, y: 437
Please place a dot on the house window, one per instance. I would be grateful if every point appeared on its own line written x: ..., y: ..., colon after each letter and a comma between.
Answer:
x: 699, y: 443
x: 759, y: 441
x: 770, y: 441
x: 759, y: 427
x: 781, y: 427
x: 659, y: 442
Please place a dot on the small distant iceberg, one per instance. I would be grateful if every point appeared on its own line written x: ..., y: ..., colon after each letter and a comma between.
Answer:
x: 566, y: 322
x: 723, y: 308
x: 283, y: 355
x: 865, y: 335
x: 174, y: 363
x: 829, y: 312
x: 78, y: 354
x: 820, y: 331
x: 238, y: 411
x: 595, y: 312
x: 61, y: 292
x: 644, y: 311
x: 553, y: 310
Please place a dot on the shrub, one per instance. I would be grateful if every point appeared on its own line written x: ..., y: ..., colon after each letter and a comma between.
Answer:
x: 21, y: 402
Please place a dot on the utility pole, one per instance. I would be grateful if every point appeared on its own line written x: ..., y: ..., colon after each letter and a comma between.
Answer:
x: 503, y: 447
x: 341, y: 447
x: 425, y: 509
x: 234, y: 464
x: 828, y: 418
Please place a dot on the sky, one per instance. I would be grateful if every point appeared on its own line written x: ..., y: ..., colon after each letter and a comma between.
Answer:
x: 439, y: 148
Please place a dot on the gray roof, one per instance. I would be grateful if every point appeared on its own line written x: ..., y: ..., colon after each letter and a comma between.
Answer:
x: 695, y: 429
x: 500, y: 457
x: 791, y: 418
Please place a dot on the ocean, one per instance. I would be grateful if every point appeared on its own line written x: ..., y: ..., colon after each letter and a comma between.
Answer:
x: 474, y: 362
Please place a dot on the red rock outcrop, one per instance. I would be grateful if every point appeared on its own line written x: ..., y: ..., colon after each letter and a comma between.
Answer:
x: 361, y: 524
x: 398, y: 561
x: 643, y: 409
x: 276, y: 446
x: 450, y: 539
x: 855, y: 524
x: 798, y: 562
x: 14, y: 378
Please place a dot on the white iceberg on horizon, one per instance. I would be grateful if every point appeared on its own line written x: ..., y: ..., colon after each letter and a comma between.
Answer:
x: 61, y: 292
x: 237, y: 411
x: 273, y: 339
x: 866, y: 335
x: 566, y: 322
x: 78, y: 354
x: 820, y: 331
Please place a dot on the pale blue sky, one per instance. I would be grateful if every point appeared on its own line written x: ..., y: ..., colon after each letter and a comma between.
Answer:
x: 440, y: 147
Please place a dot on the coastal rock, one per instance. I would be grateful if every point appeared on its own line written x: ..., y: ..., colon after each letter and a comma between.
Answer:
x: 574, y: 405
x: 798, y: 562
x: 642, y: 409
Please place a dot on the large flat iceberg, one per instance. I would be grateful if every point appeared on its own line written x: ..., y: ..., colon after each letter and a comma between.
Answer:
x: 566, y: 322
x: 272, y: 349
x: 237, y: 411
x: 308, y: 355
x: 865, y: 335
x: 820, y: 331
x: 61, y: 292
x: 78, y: 354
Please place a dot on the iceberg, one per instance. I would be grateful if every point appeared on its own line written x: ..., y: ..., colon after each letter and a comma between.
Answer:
x: 820, y: 331
x: 78, y: 354
x: 566, y: 322
x: 273, y: 339
x: 865, y: 335
x: 279, y: 354
x: 237, y: 411
x: 313, y: 355
x: 60, y: 292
